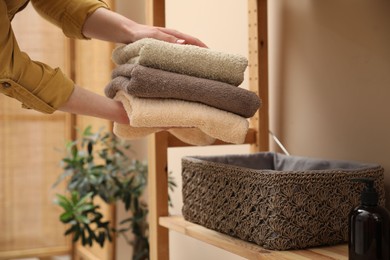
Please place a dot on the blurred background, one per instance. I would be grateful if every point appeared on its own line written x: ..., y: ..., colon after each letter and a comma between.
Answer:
x: 329, y: 79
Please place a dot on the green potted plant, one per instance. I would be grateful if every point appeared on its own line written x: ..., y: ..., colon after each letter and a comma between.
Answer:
x: 100, y: 165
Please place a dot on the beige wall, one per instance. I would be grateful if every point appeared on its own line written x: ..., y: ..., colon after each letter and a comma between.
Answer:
x: 329, y: 79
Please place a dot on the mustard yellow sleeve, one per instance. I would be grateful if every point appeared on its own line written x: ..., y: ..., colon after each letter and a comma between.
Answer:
x: 35, y: 84
x: 69, y: 15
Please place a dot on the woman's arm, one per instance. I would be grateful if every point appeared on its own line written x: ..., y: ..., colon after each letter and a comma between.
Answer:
x: 107, y: 25
x: 87, y: 103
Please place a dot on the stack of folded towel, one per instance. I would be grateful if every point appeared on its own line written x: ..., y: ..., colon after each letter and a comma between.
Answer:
x: 190, y: 91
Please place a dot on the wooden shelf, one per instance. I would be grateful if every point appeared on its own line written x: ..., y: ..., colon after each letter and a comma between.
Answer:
x: 258, y: 138
x: 246, y: 249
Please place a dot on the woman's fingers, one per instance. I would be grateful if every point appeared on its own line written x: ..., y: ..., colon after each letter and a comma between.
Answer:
x: 183, y: 38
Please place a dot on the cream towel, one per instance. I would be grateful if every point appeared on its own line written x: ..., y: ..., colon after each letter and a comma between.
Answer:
x: 141, y: 81
x: 191, y: 136
x: 162, y: 113
x: 184, y: 59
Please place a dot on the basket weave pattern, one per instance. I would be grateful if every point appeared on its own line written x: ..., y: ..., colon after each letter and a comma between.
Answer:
x: 277, y: 210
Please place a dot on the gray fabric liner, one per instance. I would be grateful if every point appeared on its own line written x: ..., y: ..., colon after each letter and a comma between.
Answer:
x: 281, y: 162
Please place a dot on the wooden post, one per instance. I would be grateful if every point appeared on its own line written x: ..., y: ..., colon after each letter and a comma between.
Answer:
x: 158, y: 163
x: 258, y: 69
x: 158, y: 195
x: 155, y: 12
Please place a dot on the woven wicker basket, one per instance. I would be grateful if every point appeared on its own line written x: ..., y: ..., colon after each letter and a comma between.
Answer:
x: 276, y: 201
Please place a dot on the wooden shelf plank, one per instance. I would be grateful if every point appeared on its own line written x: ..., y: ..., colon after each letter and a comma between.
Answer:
x: 35, y: 252
x: 246, y: 249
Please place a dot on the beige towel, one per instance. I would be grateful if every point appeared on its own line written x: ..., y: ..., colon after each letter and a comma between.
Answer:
x: 184, y: 59
x: 141, y: 81
x: 161, y: 113
x: 192, y: 136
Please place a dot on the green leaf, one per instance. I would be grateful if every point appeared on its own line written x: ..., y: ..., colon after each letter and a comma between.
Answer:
x: 108, y: 235
x: 100, y: 239
x: 66, y: 217
x: 87, y: 131
x: 83, y: 219
x: 90, y: 147
x: 84, y: 207
x: 77, y: 234
x: 89, y: 241
x: 136, y: 205
x: 127, y: 200
x: 83, y: 238
x: 74, y: 151
x: 75, y: 197
x: 91, y: 235
x: 84, y: 199
x: 63, y: 202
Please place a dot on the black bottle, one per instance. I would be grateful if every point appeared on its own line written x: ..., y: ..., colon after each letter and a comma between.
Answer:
x: 369, y: 227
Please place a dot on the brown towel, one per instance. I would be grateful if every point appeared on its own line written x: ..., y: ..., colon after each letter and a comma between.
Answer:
x: 147, y: 82
x: 184, y: 59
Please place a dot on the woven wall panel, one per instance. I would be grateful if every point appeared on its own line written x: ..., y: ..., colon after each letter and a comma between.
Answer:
x: 29, y: 163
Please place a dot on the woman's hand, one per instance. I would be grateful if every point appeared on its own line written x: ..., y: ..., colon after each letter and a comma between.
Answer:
x: 107, y: 25
x: 140, y: 31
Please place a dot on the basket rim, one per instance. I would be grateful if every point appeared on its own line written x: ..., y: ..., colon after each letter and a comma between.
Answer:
x: 201, y: 160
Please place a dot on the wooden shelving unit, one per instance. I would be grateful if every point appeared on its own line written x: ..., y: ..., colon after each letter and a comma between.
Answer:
x: 246, y: 249
x: 159, y: 220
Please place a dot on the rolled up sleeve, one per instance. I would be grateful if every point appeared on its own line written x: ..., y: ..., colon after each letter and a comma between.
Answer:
x: 34, y: 84
x: 69, y: 15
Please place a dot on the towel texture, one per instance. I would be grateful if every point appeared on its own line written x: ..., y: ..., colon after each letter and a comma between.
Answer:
x: 160, y: 113
x: 183, y: 59
x: 140, y: 81
x: 193, y: 136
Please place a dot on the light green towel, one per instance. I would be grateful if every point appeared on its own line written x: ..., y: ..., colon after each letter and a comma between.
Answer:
x: 184, y: 59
